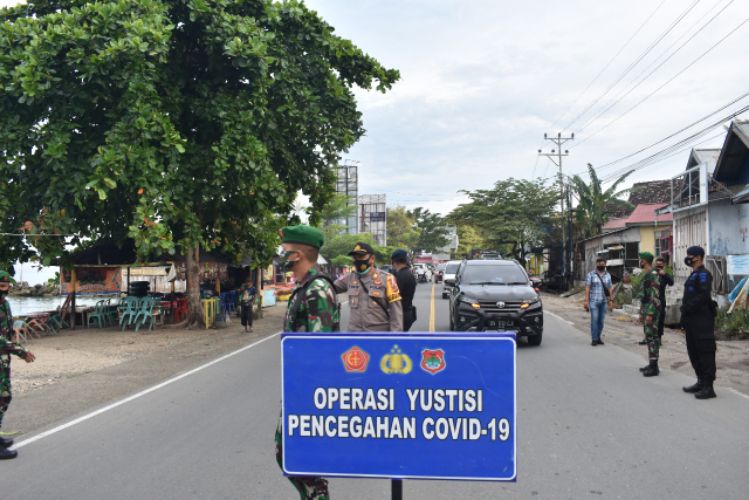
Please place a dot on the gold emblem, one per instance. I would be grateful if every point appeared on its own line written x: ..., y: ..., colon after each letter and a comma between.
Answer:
x: 396, y: 362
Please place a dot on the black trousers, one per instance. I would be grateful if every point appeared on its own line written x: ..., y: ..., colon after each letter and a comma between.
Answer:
x: 246, y: 314
x: 701, y: 352
x: 409, y: 318
x: 661, y: 319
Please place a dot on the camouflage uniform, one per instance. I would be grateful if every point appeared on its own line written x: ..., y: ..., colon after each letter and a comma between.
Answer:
x: 7, y: 347
x: 312, y: 310
x: 651, y: 306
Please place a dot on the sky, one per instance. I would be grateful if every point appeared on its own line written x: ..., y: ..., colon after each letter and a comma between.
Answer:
x: 482, y: 81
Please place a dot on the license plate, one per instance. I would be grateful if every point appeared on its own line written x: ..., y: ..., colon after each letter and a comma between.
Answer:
x: 499, y: 325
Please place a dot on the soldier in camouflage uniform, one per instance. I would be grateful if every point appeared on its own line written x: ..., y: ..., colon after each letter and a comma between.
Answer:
x: 7, y: 347
x: 312, y: 307
x: 650, y: 311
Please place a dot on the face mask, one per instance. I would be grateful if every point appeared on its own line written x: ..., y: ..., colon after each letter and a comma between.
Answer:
x: 3, y: 293
x: 688, y: 261
x: 288, y: 265
x: 601, y: 268
x: 361, y: 266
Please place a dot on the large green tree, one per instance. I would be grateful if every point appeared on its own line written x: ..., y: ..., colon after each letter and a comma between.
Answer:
x: 401, y: 228
x: 515, y: 214
x: 592, y: 200
x: 432, y: 230
x: 187, y: 125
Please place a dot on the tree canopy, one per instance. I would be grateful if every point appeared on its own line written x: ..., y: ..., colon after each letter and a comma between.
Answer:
x: 590, y: 213
x: 190, y: 123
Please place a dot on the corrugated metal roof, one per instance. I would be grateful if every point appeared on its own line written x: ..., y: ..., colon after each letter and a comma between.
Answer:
x: 732, y: 166
x: 698, y: 156
x: 645, y: 214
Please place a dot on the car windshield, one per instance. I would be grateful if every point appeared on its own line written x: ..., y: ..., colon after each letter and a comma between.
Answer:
x: 494, y: 275
x: 452, y: 268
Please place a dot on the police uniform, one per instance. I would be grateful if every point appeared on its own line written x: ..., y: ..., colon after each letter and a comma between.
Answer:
x: 651, y: 308
x: 374, y: 298
x: 7, y: 348
x: 698, y: 319
x: 312, y: 307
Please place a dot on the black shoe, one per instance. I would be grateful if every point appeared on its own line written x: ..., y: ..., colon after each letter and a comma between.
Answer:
x: 643, y: 342
x: 645, y: 367
x: 706, y: 392
x: 6, y: 454
x: 594, y: 343
x: 5, y: 442
x: 691, y: 389
x: 652, y: 369
x: 600, y: 342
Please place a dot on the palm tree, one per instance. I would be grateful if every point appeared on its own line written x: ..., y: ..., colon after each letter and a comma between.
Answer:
x: 590, y: 212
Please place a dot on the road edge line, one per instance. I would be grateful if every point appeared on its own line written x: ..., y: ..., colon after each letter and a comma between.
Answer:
x: 137, y: 395
x: 546, y: 311
x: 432, y: 323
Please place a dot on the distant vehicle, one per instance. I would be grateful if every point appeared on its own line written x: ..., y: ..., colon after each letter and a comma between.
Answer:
x: 386, y: 267
x: 496, y: 295
x: 451, y: 269
x: 422, y: 273
x: 439, y: 273
x: 490, y: 255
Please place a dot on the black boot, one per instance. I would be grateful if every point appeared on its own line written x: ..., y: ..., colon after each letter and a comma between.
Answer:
x: 691, y: 389
x: 706, y: 392
x: 652, y: 369
x: 5, y: 443
x: 643, y: 342
x: 6, y: 454
x: 644, y: 368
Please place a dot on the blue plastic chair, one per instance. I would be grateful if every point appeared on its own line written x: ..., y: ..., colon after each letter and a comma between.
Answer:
x: 145, y: 314
x: 127, y: 310
x: 98, y: 315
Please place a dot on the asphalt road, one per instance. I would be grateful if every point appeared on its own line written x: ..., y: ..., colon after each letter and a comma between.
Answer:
x: 589, y: 426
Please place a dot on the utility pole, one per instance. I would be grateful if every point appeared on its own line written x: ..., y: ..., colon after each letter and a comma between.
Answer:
x: 556, y: 155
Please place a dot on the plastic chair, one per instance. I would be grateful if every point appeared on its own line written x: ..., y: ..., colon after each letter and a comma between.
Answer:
x: 127, y: 309
x: 145, y: 314
x: 98, y: 315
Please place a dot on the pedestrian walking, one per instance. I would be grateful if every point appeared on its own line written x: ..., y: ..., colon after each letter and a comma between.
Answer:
x: 698, y: 311
x: 598, y: 299
x: 7, y: 347
x: 406, y: 285
x: 312, y: 307
x: 246, y: 301
x: 650, y: 311
x: 373, y: 295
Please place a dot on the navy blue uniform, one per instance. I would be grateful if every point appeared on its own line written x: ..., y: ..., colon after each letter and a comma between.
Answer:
x: 698, y: 319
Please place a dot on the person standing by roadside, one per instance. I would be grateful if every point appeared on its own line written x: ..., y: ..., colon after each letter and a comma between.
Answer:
x: 7, y: 347
x: 650, y: 311
x: 246, y: 301
x: 666, y: 280
x: 312, y: 307
x: 698, y: 312
x: 407, y: 286
x: 373, y: 295
x: 598, y: 299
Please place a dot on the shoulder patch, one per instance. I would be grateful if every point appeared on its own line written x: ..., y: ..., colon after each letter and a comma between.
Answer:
x: 391, y: 289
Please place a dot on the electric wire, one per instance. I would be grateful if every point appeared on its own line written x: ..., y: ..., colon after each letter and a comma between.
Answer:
x: 634, y: 63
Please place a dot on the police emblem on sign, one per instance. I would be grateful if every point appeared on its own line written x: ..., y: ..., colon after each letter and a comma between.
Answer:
x: 355, y: 360
x: 397, y: 362
x: 433, y: 360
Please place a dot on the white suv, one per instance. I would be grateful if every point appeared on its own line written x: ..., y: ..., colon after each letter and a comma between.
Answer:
x: 451, y: 269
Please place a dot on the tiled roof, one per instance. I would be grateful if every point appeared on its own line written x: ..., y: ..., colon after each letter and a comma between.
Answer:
x: 650, y: 192
x: 644, y: 213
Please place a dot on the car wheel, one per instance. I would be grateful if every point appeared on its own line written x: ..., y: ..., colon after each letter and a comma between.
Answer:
x: 535, y: 339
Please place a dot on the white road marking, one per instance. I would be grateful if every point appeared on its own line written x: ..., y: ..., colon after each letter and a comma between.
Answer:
x: 151, y: 389
x: 559, y: 318
x: 736, y: 392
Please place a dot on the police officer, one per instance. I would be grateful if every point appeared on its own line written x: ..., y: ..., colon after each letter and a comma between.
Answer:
x: 7, y: 347
x: 406, y: 285
x: 698, y: 319
x: 374, y: 298
x: 650, y: 311
x: 312, y: 307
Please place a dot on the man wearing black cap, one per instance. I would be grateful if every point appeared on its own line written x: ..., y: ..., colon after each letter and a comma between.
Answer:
x: 373, y: 295
x: 7, y: 347
x: 698, y: 319
x: 407, y: 286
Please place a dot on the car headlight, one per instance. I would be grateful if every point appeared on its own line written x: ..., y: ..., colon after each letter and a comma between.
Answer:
x: 528, y: 303
x: 470, y: 302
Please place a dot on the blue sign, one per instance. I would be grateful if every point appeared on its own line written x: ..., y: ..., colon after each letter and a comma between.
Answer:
x: 426, y: 405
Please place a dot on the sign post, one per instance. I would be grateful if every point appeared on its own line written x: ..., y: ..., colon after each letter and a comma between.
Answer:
x: 427, y: 406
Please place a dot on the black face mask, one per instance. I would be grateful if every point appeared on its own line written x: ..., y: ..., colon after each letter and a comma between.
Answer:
x: 361, y: 266
x: 601, y: 268
x: 688, y: 261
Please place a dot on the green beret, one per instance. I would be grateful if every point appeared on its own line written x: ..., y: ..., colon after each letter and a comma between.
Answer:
x: 6, y: 278
x: 646, y: 256
x: 303, y: 235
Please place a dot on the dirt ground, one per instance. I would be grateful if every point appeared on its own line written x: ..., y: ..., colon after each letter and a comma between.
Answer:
x: 732, y: 357
x: 81, y: 369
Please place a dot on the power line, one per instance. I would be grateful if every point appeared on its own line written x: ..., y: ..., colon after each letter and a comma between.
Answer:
x: 656, y: 68
x: 634, y: 63
x: 606, y: 66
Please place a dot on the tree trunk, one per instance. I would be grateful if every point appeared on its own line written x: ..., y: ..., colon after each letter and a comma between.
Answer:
x: 195, y: 307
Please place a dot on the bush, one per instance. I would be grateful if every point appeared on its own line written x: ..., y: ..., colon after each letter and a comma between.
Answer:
x: 734, y: 326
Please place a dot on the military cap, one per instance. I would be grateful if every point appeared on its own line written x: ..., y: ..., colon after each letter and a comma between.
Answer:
x: 303, y: 235
x: 361, y: 248
x: 6, y: 278
x: 646, y: 256
x: 399, y: 255
x: 695, y: 250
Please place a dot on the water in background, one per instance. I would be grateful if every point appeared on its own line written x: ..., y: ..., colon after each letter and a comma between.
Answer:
x: 21, y: 306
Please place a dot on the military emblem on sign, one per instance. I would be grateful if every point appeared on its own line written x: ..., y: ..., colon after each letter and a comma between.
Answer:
x: 433, y: 360
x: 355, y: 360
x: 396, y: 362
